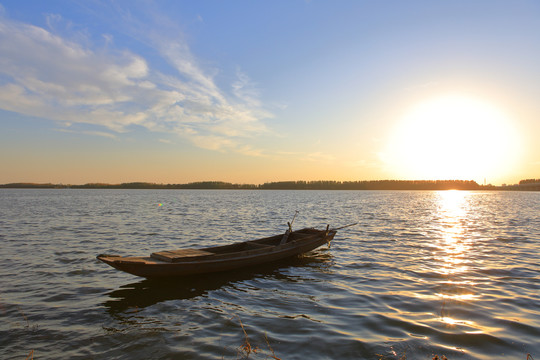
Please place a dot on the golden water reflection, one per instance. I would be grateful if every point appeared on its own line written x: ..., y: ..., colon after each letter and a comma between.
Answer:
x: 451, y: 251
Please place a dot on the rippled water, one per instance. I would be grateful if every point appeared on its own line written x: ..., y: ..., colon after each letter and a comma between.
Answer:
x: 424, y: 273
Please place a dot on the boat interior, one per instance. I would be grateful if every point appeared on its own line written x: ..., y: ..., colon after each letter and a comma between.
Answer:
x: 254, y: 246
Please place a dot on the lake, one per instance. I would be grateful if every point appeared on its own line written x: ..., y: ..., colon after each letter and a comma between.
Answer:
x: 424, y: 273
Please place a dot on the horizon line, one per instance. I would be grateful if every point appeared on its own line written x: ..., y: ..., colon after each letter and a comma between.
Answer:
x: 243, y: 183
x: 388, y: 184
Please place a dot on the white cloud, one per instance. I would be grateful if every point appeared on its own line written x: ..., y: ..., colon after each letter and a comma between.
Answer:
x: 46, y: 75
x: 244, y: 89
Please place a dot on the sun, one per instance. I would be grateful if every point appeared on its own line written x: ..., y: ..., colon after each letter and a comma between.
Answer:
x: 453, y: 137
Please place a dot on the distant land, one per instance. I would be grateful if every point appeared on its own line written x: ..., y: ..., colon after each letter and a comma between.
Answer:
x: 524, y: 185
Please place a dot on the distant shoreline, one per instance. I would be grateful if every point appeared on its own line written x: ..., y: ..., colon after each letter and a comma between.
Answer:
x: 524, y: 185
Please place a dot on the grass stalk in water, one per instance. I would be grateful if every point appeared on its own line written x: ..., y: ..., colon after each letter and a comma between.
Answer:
x: 246, y: 349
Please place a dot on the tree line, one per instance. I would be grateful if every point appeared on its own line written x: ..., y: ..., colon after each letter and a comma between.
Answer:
x: 280, y: 185
x: 529, y: 181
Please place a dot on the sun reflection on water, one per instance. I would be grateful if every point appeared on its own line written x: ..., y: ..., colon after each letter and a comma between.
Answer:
x: 454, y: 247
x: 452, y: 252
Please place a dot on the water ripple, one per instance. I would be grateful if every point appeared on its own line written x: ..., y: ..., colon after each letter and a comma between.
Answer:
x: 425, y: 273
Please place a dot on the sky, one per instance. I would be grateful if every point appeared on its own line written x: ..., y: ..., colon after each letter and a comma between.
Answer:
x: 263, y: 91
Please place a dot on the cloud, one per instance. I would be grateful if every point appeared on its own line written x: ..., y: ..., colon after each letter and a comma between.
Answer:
x: 423, y: 86
x: 47, y: 75
x: 318, y: 157
x: 87, y: 132
x: 245, y: 90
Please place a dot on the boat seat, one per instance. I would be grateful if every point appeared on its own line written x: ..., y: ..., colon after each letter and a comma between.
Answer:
x: 182, y: 254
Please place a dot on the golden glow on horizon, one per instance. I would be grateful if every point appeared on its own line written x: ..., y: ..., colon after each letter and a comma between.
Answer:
x: 453, y: 137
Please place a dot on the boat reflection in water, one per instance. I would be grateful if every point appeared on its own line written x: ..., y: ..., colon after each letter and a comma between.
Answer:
x: 145, y: 293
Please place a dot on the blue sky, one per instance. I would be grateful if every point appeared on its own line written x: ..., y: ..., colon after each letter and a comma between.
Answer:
x: 254, y: 91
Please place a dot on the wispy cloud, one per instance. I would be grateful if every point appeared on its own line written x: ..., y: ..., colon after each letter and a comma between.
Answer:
x: 423, y: 86
x: 318, y: 157
x: 68, y: 80
x: 89, y: 132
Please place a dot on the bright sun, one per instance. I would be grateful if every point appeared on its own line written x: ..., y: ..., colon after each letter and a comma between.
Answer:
x: 453, y: 137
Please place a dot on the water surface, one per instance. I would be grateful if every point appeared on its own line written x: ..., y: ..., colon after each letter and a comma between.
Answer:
x: 424, y: 273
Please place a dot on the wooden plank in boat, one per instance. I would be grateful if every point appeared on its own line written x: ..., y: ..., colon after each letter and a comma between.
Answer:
x: 176, y: 255
x: 132, y: 260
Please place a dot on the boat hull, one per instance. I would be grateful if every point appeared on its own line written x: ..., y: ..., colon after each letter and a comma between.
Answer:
x: 152, y: 267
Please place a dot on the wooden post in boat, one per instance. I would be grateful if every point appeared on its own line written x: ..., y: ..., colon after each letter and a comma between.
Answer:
x: 286, y: 235
x: 289, y: 230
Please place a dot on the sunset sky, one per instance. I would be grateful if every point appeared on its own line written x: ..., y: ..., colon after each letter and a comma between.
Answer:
x: 261, y: 91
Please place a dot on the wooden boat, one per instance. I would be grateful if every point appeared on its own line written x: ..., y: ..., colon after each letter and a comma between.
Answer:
x: 222, y: 258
